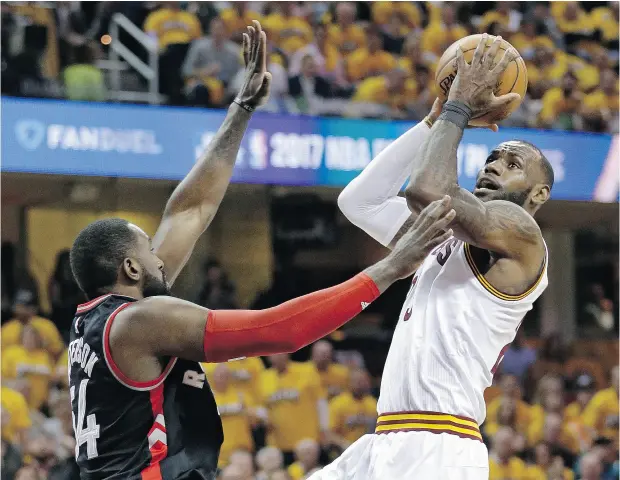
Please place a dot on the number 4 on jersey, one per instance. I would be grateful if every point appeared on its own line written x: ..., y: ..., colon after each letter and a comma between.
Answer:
x: 90, y: 434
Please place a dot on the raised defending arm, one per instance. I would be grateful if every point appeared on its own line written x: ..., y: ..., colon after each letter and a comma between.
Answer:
x: 195, y: 201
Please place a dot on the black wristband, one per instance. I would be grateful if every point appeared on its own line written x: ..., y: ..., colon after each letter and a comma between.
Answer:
x: 245, y: 106
x: 456, y: 112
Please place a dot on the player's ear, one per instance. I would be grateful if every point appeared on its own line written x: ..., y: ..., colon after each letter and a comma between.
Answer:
x: 132, y: 269
x: 540, y: 194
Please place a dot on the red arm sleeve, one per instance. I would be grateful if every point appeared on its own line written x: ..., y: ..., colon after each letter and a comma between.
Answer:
x: 287, y: 327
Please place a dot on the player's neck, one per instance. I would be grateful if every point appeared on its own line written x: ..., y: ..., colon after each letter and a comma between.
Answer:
x: 127, y: 291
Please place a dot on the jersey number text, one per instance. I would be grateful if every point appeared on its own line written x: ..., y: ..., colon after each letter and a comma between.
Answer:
x: 90, y: 434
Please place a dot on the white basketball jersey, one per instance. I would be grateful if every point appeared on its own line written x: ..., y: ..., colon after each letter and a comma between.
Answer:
x: 451, y: 335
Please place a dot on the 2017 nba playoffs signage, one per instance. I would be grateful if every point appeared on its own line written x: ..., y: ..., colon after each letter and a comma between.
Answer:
x: 73, y: 138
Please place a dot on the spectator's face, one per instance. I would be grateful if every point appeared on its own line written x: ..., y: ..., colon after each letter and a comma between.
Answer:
x: 280, y: 475
x: 542, y: 454
x: 322, y: 354
x: 552, y: 428
x: 345, y: 13
x: 320, y: 33
x: 270, y: 459
x: 528, y: 29
x: 308, y: 66
x: 232, y: 472
x: 375, y: 43
x: 307, y: 452
x: 584, y: 396
x: 507, y: 412
x: 397, y: 80
x: 553, y: 402
x: 245, y: 462
x: 280, y: 361
x: 217, y: 29
x: 214, y: 274
x: 24, y: 312
x: 360, y: 383
x: 609, y: 81
x: 569, y: 83
x: 221, y: 377
x: 591, y: 467
x: 571, y: 11
x: 448, y: 16
x: 27, y: 473
x: 503, y: 442
x: 510, y: 386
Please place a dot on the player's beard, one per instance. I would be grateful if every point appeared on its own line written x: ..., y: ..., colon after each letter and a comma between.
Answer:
x: 154, y: 286
x: 515, y: 197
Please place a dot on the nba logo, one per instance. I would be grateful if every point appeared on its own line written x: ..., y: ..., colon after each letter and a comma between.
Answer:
x: 258, y: 149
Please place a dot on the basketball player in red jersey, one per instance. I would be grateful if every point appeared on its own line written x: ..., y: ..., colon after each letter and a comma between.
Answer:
x: 142, y: 408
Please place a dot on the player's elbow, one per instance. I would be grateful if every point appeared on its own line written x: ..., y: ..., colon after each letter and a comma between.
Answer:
x: 417, y: 197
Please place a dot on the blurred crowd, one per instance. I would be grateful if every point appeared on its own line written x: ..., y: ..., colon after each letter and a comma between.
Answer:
x: 552, y: 411
x: 358, y: 59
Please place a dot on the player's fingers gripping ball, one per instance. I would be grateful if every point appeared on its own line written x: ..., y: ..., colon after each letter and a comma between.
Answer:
x: 513, y: 80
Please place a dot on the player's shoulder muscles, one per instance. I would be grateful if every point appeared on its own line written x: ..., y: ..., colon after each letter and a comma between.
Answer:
x: 508, y: 230
x: 161, y: 326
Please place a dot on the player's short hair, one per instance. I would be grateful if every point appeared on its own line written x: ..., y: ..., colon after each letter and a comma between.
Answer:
x: 98, y: 252
x: 545, y: 165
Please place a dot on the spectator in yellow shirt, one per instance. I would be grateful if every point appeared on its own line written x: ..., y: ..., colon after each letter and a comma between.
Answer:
x: 605, y: 19
x: 31, y: 362
x: 292, y: 390
x: 306, y: 459
x: 15, y: 416
x: 500, y: 14
x: 334, y: 376
x: 527, y: 38
x: 236, y: 18
x: 25, y: 310
x: 326, y: 57
x: 601, y: 414
x: 353, y: 413
x: 238, y: 411
x: 503, y: 464
x: 383, y: 11
x: 606, y: 96
x: 508, y: 409
x: 369, y: 61
x: 345, y: 35
x: 547, y: 467
x: 61, y: 371
x: 560, y: 104
x: 571, y: 19
x: 584, y: 387
x: 170, y: 25
x: 245, y: 374
x: 439, y: 36
x: 394, y: 90
x: 289, y: 32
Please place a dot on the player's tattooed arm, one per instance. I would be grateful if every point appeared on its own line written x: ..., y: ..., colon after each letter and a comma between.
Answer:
x: 499, y: 226
x: 195, y: 201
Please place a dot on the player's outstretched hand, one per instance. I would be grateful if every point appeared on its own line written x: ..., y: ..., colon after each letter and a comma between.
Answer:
x: 474, y: 83
x: 429, y: 230
x: 257, y: 83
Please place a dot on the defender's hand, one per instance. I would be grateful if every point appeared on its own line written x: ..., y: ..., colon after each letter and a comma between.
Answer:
x: 429, y: 230
x: 475, y: 82
x: 257, y: 83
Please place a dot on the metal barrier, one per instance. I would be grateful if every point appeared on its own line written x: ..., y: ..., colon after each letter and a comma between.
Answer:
x: 122, y: 59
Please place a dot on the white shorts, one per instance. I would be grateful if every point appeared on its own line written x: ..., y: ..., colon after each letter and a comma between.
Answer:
x: 410, y: 455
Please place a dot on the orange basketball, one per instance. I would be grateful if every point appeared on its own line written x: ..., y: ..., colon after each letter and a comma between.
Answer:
x: 514, y: 78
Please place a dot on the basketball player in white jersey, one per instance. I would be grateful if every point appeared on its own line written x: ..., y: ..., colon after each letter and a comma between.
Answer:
x: 468, y: 297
